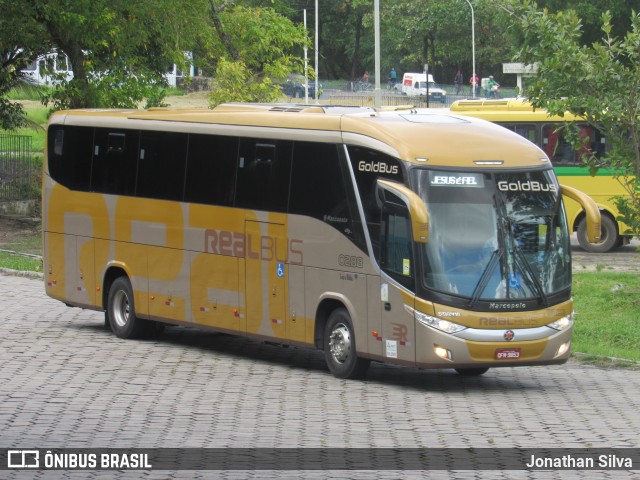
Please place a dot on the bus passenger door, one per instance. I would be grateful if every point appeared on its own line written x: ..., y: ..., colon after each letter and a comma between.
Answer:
x: 266, y: 272
x: 396, y: 283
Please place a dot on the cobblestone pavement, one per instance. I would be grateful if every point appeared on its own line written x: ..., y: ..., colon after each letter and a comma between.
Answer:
x: 66, y: 382
x: 623, y: 259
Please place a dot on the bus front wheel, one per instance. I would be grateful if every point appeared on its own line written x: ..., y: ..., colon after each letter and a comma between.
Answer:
x: 609, y: 236
x: 340, y: 347
x: 121, y: 311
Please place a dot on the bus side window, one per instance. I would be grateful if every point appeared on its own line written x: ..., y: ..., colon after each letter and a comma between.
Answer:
x: 320, y: 188
x: 115, y: 161
x: 161, y: 165
x: 369, y: 165
x: 586, y: 144
x: 396, y: 256
x: 264, y: 168
x: 556, y: 146
x: 525, y: 130
x: 211, y: 169
x: 69, y: 156
x: 561, y: 152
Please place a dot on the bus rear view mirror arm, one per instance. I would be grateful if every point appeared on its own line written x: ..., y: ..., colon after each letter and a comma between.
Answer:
x: 417, y: 208
x: 591, y: 210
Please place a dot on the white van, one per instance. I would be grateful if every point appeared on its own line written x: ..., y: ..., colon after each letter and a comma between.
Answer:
x: 415, y: 84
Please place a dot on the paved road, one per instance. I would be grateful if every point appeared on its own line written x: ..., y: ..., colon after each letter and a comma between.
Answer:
x: 65, y: 382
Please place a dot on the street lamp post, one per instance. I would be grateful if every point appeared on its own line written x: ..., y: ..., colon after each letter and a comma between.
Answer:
x: 473, y: 49
x: 376, y: 27
x: 316, y: 63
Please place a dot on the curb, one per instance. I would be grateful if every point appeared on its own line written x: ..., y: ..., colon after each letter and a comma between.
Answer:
x: 21, y: 273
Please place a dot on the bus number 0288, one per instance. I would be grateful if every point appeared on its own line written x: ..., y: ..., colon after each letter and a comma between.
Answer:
x: 350, y: 261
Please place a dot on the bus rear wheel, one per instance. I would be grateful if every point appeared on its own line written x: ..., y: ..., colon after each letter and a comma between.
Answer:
x: 609, y: 236
x: 340, y: 347
x: 121, y: 311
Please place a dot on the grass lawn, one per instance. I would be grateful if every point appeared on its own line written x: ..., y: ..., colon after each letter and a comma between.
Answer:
x: 607, y: 307
x: 18, y: 262
x: 38, y: 114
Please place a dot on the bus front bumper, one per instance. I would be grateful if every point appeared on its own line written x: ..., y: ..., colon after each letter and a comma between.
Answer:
x: 473, y: 348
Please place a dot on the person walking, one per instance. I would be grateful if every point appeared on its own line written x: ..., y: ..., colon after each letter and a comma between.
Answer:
x: 393, y: 76
x: 457, y: 81
x: 473, y: 81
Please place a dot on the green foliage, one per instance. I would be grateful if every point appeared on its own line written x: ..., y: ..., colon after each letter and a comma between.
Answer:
x: 116, y: 88
x: 20, y: 263
x: 118, y: 49
x: 629, y: 207
x: 262, y: 42
x: 598, y: 82
x: 237, y: 83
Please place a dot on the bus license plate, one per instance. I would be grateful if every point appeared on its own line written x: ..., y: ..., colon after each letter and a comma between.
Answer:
x: 507, y: 353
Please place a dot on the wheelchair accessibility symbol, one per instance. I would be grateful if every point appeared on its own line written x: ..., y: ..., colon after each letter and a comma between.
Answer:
x: 280, y: 270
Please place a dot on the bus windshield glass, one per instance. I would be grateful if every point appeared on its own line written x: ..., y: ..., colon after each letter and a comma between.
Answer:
x: 495, y: 236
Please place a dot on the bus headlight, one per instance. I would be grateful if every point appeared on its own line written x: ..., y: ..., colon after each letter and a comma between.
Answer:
x: 562, y: 323
x: 435, y: 322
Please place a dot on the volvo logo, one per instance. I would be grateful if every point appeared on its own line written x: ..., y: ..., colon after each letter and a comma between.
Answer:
x: 508, y: 335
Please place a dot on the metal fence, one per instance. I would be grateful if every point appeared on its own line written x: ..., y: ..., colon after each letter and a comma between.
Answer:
x: 388, y: 100
x: 17, y: 171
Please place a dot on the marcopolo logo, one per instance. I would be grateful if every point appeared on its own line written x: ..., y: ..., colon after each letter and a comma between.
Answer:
x: 528, y: 186
x: 377, y: 167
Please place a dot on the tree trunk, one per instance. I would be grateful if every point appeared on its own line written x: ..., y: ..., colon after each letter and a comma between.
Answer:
x: 355, y: 61
x: 224, y: 38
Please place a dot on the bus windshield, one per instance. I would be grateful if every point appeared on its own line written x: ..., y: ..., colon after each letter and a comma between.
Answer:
x: 495, y: 236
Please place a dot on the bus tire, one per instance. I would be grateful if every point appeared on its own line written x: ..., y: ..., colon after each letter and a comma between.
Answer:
x: 609, y: 239
x: 472, y: 372
x: 340, y: 347
x: 121, y: 311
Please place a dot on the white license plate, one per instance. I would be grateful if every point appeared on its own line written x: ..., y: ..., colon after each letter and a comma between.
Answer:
x: 507, y: 353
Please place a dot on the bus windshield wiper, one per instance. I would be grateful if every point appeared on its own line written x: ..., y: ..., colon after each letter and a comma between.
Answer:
x: 533, y: 279
x: 486, y: 275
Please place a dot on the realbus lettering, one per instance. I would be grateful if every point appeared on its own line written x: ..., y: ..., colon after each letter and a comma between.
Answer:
x: 223, y: 242
x: 298, y: 260
x: 250, y: 252
x: 211, y: 241
x: 238, y: 245
x: 226, y: 243
x: 266, y: 248
x: 283, y: 245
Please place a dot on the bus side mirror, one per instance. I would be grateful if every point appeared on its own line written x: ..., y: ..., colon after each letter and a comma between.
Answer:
x: 591, y: 210
x: 417, y: 208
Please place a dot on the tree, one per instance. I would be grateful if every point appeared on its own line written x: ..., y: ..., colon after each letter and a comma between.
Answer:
x: 438, y: 33
x: 252, y: 51
x: 118, y: 49
x: 18, y: 46
x: 598, y: 82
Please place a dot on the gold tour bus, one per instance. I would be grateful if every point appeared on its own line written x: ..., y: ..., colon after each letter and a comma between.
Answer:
x: 543, y: 130
x: 422, y: 239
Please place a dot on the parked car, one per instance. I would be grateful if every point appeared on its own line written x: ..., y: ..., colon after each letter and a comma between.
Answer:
x: 294, y: 85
